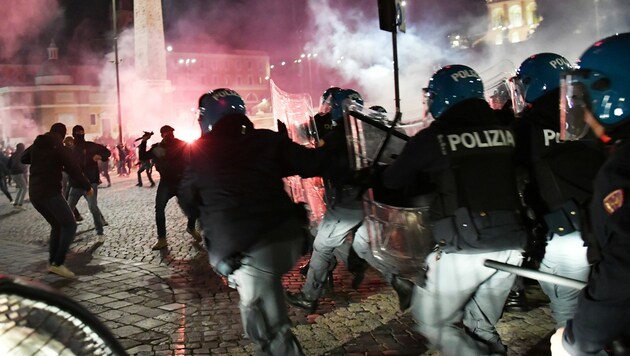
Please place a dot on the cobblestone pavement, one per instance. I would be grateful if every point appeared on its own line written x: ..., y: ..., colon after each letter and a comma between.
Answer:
x: 171, y: 303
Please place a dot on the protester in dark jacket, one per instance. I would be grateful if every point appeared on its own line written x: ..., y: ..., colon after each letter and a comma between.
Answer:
x: 18, y: 172
x: 87, y: 154
x: 4, y: 172
x: 169, y: 157
x: 48, y: 157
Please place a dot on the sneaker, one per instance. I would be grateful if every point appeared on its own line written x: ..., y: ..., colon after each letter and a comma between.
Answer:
x: 62, y: 271
x: 195, y: 234
x: 160, y: 244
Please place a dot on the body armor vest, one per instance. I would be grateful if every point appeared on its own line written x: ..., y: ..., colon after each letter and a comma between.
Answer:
x: 481, y: 161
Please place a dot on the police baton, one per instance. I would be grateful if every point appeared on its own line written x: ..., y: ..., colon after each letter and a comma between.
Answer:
x: 534, y: 274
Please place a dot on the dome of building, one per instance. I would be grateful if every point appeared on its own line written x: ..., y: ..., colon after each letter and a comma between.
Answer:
x: 53, y: 71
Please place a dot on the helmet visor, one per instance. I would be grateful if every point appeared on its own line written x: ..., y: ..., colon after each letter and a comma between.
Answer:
x: 573, y: 104
x: 326, y: 105
x: 498, y: 94
x: 517, y: 95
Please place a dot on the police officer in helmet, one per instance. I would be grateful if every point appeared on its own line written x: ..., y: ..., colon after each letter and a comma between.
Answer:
x: 559, y: 178
x: 596, y: 95
x: 344, y: 210
x: 254, y: 233
x: 469, y: 156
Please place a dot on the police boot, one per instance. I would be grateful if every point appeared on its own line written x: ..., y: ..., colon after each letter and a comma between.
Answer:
x: 404, y: 290
x: 517, y: 301
x: 299, y: 300
x: 357, y: 266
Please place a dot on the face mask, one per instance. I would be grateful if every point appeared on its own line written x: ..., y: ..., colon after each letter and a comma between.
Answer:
x: 78, y: 138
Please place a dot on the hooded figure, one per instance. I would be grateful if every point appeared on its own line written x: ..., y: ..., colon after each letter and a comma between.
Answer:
x: 48, y: 157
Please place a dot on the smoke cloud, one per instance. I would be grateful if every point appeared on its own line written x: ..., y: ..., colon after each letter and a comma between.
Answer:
x: 351, y: 42
x: 22, y: 22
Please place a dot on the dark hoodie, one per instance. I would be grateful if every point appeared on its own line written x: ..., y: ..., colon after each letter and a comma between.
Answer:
x: 236, y: 172
x: 48, y: 157
x: 15, y: 165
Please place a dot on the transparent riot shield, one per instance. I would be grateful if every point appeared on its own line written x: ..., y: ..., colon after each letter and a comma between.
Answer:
x: 399, y: 236
x: 296, y: 112
x: 366, y: 132
x: 495, y: 80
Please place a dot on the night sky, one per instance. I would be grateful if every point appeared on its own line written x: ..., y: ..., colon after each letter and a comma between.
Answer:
x: 345, y: 34
x: 276, y: 26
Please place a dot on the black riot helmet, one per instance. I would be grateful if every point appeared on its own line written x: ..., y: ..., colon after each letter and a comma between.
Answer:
x: 216, y: 104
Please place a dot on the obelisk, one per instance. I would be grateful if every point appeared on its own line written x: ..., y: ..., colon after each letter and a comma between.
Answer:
x: 150, y: 60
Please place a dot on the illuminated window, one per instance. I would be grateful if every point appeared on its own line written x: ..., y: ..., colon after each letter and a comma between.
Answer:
x: 516, y: 16
x: 497, y: 17
x: 530, y: 13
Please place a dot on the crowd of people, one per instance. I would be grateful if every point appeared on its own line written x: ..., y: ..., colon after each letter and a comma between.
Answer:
x: 522, y: 180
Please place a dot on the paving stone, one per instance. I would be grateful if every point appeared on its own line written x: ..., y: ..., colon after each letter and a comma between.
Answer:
x: 171, y: 302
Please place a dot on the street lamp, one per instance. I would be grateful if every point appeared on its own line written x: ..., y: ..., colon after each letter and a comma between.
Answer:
x: 115, y: 29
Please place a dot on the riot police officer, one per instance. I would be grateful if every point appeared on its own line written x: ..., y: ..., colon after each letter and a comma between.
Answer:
x: 344, y: 210
x: 254, y: 233
x: 559, y: 177
x: 469, y: 156
x: 596, y: 94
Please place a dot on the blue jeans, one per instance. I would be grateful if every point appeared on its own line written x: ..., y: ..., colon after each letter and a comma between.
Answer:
x: 20, y: 181
x: 3, y: 186
x: 73, y: 198
x: 63, y: 226
x: 165, y: 192
x: 564, y: 256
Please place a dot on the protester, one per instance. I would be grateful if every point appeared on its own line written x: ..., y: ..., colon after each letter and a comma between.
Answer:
x: 47, y: 157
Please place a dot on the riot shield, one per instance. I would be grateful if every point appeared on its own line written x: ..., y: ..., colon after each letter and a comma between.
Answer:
x: 399, y: 236
x: 296, y: 112
x: 366, y: 132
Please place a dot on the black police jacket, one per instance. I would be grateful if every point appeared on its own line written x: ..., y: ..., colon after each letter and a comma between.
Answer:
x: 560, y: 174
x: 48, y: 157
x: 469, y: 156
x: 603, y: 311
x: 235, y: 180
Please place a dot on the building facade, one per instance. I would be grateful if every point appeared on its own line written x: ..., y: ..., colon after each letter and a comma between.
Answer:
x: 33, y: 97
x: 511, y: 21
